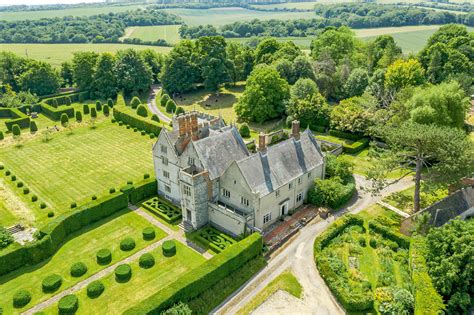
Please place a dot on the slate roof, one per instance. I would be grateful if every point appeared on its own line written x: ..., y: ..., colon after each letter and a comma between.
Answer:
x: 218, y: 151
x: 281, y: 163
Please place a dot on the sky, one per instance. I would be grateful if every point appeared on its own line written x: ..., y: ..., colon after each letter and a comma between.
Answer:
x: 30, y: 2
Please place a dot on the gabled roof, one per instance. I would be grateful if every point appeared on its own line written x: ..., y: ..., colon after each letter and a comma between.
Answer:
x: 218, y: 151
x: 281, y: 163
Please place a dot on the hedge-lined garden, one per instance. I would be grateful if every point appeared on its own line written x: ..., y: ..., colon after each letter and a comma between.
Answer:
x: 365, y: 264
x: 209, y: 237
x: 164, y: 209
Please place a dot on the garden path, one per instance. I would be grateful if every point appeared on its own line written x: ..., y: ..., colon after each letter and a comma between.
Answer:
x: 153, y: 107
x: 394, y: 209
x: 298, y: 255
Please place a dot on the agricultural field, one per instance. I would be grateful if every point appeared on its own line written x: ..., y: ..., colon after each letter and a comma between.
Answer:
x: 288, y: 5
x: 71, y: 167
x: 153, y: 33
x: 58, y: 53
x: 81, y: 246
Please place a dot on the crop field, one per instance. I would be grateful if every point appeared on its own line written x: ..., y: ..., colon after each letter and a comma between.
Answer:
x: 153, y: 33
x: 58, y: 53
x: 74, y: 167
x: 220, y: 16
x: 79, y: 247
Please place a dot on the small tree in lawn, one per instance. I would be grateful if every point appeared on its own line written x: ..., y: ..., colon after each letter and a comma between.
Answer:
x: 142, y: 111
x: 33, y: 127
x: 106, y: 110
x: 98, y: 106
x: 64, y: 120
x: 445, y: 152
x: 170, y: 106
x: 135, y: 102
x: 93, y: 112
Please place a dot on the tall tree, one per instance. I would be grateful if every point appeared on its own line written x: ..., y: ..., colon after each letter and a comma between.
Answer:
x: 154, y: 60
x: 11, y: 67
x: 402, y: 73
x: 67, y: 74
x: 337, y: 42
x: 40, y: 79
x: 445, y: 152
x: 356, y: 82
x: 211, y: 51
x: 241, y: 61
x: 105, y: 79
x: 83, y: 67
x: 133, y: 73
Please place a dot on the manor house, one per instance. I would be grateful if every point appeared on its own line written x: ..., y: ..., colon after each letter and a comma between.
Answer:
x: 205, y: 168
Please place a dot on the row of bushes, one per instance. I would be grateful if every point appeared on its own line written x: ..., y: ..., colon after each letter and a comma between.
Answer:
x: 427, y: 299
x: 196, y: 281
x: 15, y: 117
x: 51, y: 236
x: 67, y: 99
x: 401, y: 240
x: 137, y: 121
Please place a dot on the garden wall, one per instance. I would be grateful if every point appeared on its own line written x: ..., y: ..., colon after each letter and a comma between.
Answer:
x: 198, y: 280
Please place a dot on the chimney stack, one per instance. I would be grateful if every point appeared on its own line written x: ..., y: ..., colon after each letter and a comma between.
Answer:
x: 295, y: 129
x: 188, y: 125
x: 194, y: 126
x: 262, y: 147
x: 182, y: 126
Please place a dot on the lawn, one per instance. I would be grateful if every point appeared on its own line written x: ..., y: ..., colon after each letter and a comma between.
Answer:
x: 118, y: 297
x: 79, y: 247
x: 74, y: 167
x: 403, y: 200
x: 285, y: 281
x: 55, y: 54
x: 153, y: 33
x: 7, y: 218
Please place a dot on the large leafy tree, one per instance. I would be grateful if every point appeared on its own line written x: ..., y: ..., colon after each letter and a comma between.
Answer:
x: 105, y: 79
x: 154, y: 60
x: 339, y: 43
x: 382, y: 52
x: 265, y: 95
x: 241, y: 61
x: 354, y: 114
x: 11, y: 67
x: 67, y: 74
x: 445, y: 152
x: 83, y: 68
x: 402, y: 73
x: 212, y: 56
x: 356, y: 82
x: 450, y: 260
x: 133, y: 73
x: 40, y: 79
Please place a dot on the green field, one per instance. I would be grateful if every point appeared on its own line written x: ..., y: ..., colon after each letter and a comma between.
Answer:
x: 118, y: 297
x: 79, y: 247
x: 288, y: 5
x: 58, y: 53
x: 221, y: 16
x: 73, y: 167
x: 153, y: 33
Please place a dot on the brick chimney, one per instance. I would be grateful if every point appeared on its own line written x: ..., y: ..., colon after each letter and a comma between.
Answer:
x: 262, y: 147
x: 194, y: 125
x: 295, y: 129
x: 188, y: 125
x: 182, y: 126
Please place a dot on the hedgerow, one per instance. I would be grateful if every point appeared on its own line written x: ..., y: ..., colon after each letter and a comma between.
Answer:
x: 68, y: 304
x: 51, y: 283
x: 78, y: 269
x: 95, y: 289
x: 55, y: 113
x: 401, y: 240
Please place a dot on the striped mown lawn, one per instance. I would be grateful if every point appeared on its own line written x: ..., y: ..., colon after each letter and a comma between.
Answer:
x: 74, y: 167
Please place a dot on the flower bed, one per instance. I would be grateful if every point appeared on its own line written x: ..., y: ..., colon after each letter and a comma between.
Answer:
x: 163, y: 209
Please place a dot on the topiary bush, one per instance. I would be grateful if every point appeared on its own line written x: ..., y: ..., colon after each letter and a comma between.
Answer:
x: 7, y: 172
x: 123, y: 273
x: 26, y: 191
x: 179, y: 110
x: 78, y: 116
x: 85, y: 109
x: 93, y: 112
x: 373, y: 243
x: 146, y: 261
x: 135, y: 102
x: 16, y: 130
x: 142, y: 111
x: 152, y: 135
x: 68, y: 304
x: 51, y: 283
x: 146, y: 176
x: 64, y: 120
x: 98, y: 106
x: 78, y: 269
x: 33, y: 127
x: 104, y: 256
x: 2, y: 166
x: 95, y: 289
x: 164, y: 99
x: 148, y: 233
x: 244, y: 130
x: 21, y: 298
x: 154, y: 117
x: 127, y: 244
x: 34, y: 198
x: 73, y: 205
x: 42, y: 205
x: 112, y: 190
x: 110, y: 103
x: 68, y: 101
x: 13, y: 178
x: 143, y: 132
x: 169, y: 248
x: 94, y: 197
x: 106, y: 110
x: 50, y: 214
x: 19, y: 184
x: 170, y: 106
x: 1, y: 135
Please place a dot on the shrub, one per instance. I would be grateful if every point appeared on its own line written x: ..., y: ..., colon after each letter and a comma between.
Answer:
x: 373, y: 243
x: 129, y: 182
x: 68, y: 304
x: 98, y: 106
x: 400, y: 239
x: 78, y: 269
x: 128, y: 127
x: 104, y: 256
x: 112, y: 190
x: 2, y: 166
x: 7, y: 172
x: 1, y: 135
x: 113, y: 120
x: 127, y: 244
x: 13, y: 178
x: 16, y: 130
x: 179, y: 110
x: 21, y: 298
x: 110, y: 103
x: 148, y: 233
x: 67, y: 100
x: 151, y: 135
x: 142, y: 111
x: 120, y: 123
x: 26, y: 191
x: 244, y: 130
x: 64, y: 120
x: 146, y: 261
x: 85, y: 109
x: 19, y: 184
x: 170, y: 106
x: 34, y: 198
x: 146, y: 176
x: 137, y: 121
x: 362, y: 241
x: 95, y: 289
x: 179, y: 308
x: 164, y: 99
x: 73, y: 205
x: 135, y: 102
x: 33, y: 127
x: 50, y: 214
x: 42, y: 205
x: 143, y: 132
x: 169, y: 248
x: 5, y: 237
x: 51, y: 283
x: 123, y: 273
x: 94, y: 197
x: 78, y: 116
x: 331, y: 192
x: 154, y: 117
x: 106, y: 110
x: 93, y: 112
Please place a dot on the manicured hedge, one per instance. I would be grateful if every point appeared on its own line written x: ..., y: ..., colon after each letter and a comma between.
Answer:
x: 202, y: 278
x: 137, y: 121
x: 148, y: 233
x: 21, y: 298
x: 123, y: 273
x: 55, y: 113
x: 95, y: 289
x: 78, y: 269
x: 344, y: 135
x: 137, y: 192
x: 335, y: 229
x: 356, y: 146
x: 63, y: 99
x: 146, y: 261
x: 51, y: 283
x: 127, y: 244
x: 169, y: 248
x: 15, y: 117
x: 427, y: 299
x: 104, y: 256
x: 68, y: 304
x: 400, y: 239
x: 53, y: 234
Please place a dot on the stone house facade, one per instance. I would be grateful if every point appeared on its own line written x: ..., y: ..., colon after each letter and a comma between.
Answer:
x: 205, y: 168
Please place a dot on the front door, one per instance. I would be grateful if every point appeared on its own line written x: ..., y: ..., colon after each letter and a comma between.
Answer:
x: 284, y: 209
x: 188, y: 215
